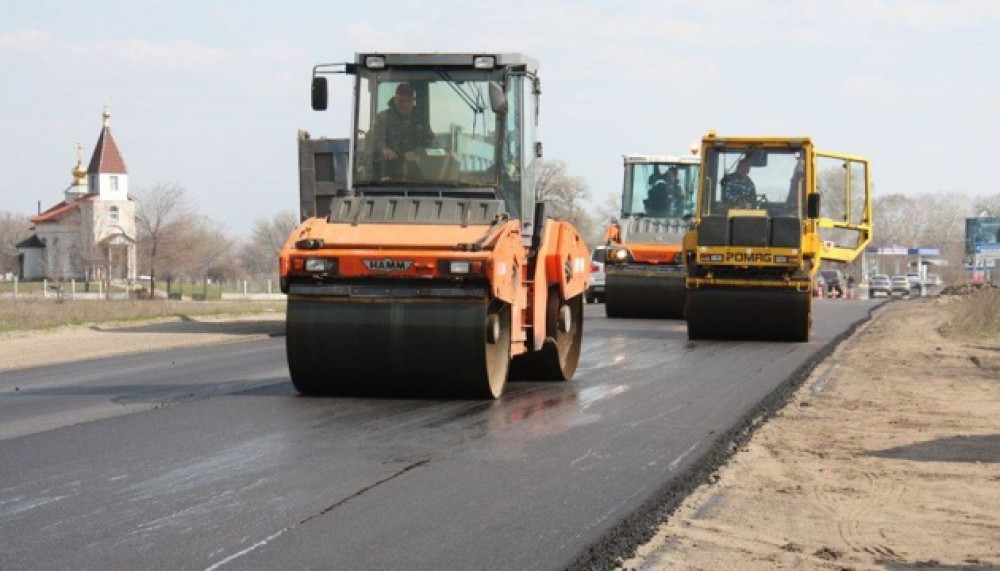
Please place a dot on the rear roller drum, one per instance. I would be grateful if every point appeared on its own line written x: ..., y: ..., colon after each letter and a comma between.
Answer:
x: 559, y: 357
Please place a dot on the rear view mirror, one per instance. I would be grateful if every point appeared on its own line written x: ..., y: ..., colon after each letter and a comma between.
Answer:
x: 319, y: 96
x: 498, y: 101
x: 812, y: 206
x: 758, y: 158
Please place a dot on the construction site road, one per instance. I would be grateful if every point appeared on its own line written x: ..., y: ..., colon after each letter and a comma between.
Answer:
x: 205, y: 458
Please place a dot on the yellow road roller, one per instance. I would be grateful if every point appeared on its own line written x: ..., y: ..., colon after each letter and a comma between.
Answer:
x: 769, y: 210
x: 434, y: 271
x: 645, y: 267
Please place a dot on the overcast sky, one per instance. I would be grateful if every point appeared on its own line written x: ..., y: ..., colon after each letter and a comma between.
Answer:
x: 209, y: 95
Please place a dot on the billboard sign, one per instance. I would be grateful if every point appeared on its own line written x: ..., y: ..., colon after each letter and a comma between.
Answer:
x: 893, y: 251
x: 979, y: 231
x: 988, y: 249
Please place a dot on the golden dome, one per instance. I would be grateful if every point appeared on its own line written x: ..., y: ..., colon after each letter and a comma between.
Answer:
x: 79, y: 173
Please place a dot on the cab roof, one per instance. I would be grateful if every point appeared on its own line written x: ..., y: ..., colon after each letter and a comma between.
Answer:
x: 644, y: 159
x: 503, y: 60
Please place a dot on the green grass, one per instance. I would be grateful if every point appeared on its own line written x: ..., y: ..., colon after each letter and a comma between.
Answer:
x: 40, y: 314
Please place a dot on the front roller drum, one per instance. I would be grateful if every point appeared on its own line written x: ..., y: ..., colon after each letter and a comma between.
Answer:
x: 448, y: 348
x: 644, y: 296
x: 756, y: 314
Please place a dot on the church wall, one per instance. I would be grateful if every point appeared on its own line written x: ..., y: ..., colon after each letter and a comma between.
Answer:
x: 34, y: 264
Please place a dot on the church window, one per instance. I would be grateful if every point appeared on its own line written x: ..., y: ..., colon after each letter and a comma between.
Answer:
x: 113, y: 213
x: 114, y: 183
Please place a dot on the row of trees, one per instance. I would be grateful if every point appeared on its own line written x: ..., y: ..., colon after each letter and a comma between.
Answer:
x: 175, y: 242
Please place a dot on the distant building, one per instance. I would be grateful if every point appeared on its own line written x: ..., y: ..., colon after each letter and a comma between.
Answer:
x: 90, y: 235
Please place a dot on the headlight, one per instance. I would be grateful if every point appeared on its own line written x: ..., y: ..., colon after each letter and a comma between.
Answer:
x: 484, y: 62
x: 309, y: 244
x: 460, y: 267
x: 620, y: 254
x: 319, y: 265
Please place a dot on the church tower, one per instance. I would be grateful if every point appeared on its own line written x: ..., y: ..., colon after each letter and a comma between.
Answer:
x: 106, y: 175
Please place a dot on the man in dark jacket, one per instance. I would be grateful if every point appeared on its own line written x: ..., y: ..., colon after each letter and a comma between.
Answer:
x: 398, y: 130
x: 738, y: 189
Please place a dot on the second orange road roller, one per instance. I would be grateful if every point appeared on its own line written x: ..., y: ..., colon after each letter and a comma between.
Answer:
x: 645, y: 267
x: 435, y: 272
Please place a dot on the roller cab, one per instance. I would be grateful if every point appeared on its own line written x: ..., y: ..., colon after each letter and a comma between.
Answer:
x: 434, y: 272
x: 645, y: 275
x: 769, y: 211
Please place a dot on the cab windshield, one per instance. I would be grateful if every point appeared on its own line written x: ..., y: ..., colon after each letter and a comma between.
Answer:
x: 753, y: 178
x: 660, y: 189
x: 426, y: 128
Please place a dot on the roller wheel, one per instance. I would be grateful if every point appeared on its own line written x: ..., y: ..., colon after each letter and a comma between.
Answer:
x: 749, y: 314
x: 559, y: 357
x: 424, y: 348
x: 644, y: 296
x: 497, y: 353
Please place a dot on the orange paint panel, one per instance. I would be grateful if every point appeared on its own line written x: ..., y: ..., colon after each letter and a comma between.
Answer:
x: 654, y: 254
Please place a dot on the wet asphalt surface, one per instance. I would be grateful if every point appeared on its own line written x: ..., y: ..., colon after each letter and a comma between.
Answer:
x: 207, y: 459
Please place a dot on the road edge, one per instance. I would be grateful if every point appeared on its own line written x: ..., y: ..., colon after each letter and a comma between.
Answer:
x: 622, y: 541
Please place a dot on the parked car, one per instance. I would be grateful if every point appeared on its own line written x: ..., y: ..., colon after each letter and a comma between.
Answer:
x: 932, y: 280
x: 900, y: 286
x: 879, y: 285
x: 834, y: 283
x: 595, y: 292
x: 916, y: 284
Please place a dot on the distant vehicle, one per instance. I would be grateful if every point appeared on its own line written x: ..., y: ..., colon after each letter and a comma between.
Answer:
x: 916, y: 284
x: 595, y: 292
x: 879, y: 285
x: 834, y: 282
x: 932, y: 280
x: 900, y: 286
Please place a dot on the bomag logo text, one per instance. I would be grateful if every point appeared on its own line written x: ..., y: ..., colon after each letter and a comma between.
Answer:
x: 387, y: 265
x: 745, y: 258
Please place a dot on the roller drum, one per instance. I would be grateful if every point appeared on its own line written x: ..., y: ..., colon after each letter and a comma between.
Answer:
x: 758, y: 314
x: 652, y: 295
x: 448, y: 348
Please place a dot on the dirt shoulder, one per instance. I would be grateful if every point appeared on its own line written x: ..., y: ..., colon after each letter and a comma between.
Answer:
x: 888, y: 457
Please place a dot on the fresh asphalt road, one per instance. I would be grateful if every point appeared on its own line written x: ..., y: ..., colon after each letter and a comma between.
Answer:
x: 207, y: 459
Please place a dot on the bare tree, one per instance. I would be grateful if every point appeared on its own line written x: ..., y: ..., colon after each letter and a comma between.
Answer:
x: 209, y: 247
x: 14, y: 228
x: 260, y: 255
x: 607, y: 213
x: 988, y: 206
x: 919, y: 221
x: 164, y: 224
x: 932, y: 221
x: 565, y: 195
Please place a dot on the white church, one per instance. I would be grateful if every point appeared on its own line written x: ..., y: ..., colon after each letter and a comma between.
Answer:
x: 90, y: 235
